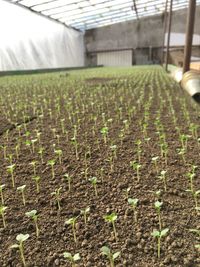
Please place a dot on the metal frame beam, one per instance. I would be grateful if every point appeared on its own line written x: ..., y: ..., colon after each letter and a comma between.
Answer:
x: 189, y: 35
x: 169, y: 33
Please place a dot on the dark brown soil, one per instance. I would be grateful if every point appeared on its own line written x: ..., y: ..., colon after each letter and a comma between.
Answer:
x: 141, y: 90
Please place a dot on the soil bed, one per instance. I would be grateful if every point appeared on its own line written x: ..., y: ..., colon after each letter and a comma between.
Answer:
x: 137, y: 98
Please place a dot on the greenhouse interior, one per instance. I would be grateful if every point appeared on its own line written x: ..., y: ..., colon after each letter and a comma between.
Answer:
x: 99, y: 133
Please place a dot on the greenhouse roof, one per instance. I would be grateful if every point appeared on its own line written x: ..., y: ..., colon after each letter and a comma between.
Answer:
x: 89, y: 14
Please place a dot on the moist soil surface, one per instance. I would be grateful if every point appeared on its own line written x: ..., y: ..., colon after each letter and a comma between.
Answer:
x: 142, y: 96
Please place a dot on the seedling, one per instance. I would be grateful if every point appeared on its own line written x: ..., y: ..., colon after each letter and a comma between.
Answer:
x: 163, y: 178
x: 114, y: 150
x: 33, y: 163
x: 75, y: 143
x: 155, y: 161
x: 111, y: 218
x: 195, y: 195
x: 40, y: 152
x: 1, y: 192
x: 191, y: 176
x: 33, y: 215
x: 84, y: 212
x: 111, y: 256
x: 93, y: 181
x: 59, y: 153
x: 136, y: 166
x: 37, y: 182
x: 159, y: 234
x: 33, y: 141
x: 158, y: 206
x: 21, y: 238
x: 72, y: 259
x: 72, y: 222
x: 56, y: 193
x: 52, y: 163
x: 138, y: 143
x: 126, y: 192
x: 133, y: 202
x: 68, y: 178
x: 104, y: 132
x: 2, y: 212
x: 182, y: 152
x: 10, y: 170
x: 22, y: 189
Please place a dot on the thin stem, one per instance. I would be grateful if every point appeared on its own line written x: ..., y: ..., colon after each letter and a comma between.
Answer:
x: 22, y: 254
x: 159, y: 247
x: 114, y: 229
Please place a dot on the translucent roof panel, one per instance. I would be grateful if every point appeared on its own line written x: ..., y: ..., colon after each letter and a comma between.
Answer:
x: 89, y: 14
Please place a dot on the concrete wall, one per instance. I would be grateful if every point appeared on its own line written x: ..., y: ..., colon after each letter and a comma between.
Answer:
x: 139, y: 35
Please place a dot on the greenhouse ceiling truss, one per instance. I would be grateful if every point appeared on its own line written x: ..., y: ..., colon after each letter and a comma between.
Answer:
x: 89, y: 14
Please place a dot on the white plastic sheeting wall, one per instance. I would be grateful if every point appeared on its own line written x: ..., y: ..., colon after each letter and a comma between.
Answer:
x: 30, y: 41
x: 115, y: 58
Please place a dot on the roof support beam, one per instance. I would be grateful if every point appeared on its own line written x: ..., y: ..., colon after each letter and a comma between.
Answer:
x: 165, y: 27
x: 169, y: 34
x: 135, y: 7
x: 189, y: 35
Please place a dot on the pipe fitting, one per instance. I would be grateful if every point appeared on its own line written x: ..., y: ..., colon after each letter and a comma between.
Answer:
x: 191, y: 83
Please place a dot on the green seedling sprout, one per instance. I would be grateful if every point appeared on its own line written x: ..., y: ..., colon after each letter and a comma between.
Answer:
x: 85, y: 212
x: 104, y: 132
x: 62, y: 121
x: 56, y: 193
x: 22, y: 190
x: 111, y: 218
x: 133, y: 202
x: 68, y: 178
x: 2, y: 212
x: 21, y: 238
x: 72, y: 222
x: 136, y: 166
x: 40, y: 152
x: 1, y: 192
x: 182, y: 152
x: 72, y: 259
x: 37, y: 182
x: 10, y: 156
x: 59, y: 153
x: 93, y: 181
x: 33, y: 163
x: 162, y: 176
x: 158, y: 206
x: 33, y: 215
x: 17, y: 148
x: 191, y: 175
x: 114, y: 150
x: 4, y: 151
x: 111, y: 256
x: 10, y: 170
x: 126, y: 192
x: 155, y: 161
x: 52, y: 163
x: 159, y: 234
x: 195, y: 195
x: 75, y: 143
x: 138, y: 143
x: 33, y: 141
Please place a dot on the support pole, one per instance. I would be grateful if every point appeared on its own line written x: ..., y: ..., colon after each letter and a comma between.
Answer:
x: 165, y: 27
x: 189, y: 35
x: 169, y: 33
